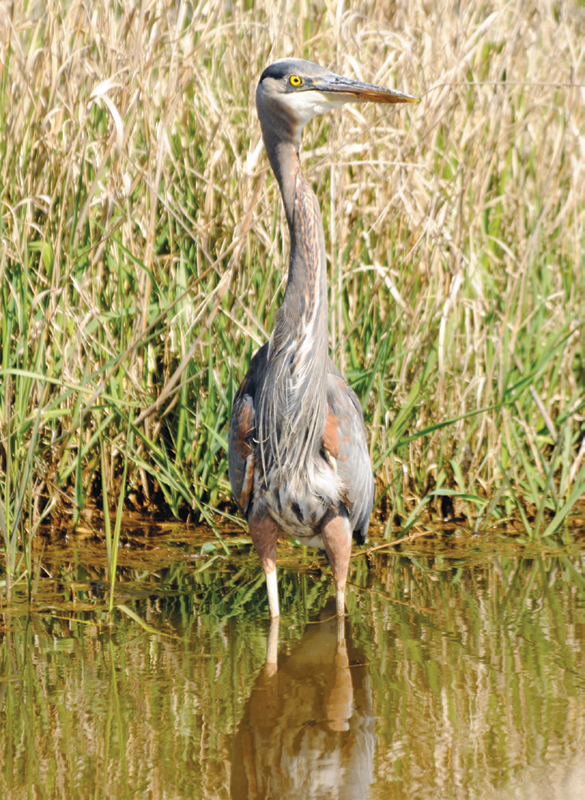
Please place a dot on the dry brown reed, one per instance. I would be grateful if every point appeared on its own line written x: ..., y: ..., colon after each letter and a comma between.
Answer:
x: 143, y: 248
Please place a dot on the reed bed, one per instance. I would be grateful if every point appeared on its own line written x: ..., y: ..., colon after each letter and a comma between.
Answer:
x: 144, y: 249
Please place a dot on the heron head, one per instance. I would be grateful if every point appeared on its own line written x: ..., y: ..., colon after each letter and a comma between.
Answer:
x: 292, y: 91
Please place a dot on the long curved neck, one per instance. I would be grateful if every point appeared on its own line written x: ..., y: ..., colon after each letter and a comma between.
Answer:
x: 302, y: 317
x: 293, y: 412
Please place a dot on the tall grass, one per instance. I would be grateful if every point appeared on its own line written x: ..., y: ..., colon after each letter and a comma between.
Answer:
x: 143, y: 250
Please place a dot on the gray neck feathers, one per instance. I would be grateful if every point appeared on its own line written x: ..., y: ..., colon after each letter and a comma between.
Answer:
x: 293, y: 407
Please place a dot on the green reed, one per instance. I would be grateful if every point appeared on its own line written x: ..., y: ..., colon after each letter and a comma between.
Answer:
x: 143, y: 254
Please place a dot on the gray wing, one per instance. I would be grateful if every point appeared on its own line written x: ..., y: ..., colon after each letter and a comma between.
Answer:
x: 241, y: 451
x: 346, y: 432
x: 242, y: 434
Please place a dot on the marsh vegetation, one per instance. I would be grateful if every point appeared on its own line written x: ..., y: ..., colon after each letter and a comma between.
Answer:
x: 143, y: 253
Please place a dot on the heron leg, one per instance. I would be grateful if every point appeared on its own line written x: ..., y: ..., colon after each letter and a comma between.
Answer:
x: 264, y: 533
x: 339, y: 702
x: 336, y: 534
x: 272, y: 651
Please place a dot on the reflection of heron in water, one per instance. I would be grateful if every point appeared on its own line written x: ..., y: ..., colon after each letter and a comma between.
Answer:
x: 308, y: 726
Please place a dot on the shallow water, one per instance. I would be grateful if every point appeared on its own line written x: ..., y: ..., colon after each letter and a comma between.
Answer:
x: 459, y: 673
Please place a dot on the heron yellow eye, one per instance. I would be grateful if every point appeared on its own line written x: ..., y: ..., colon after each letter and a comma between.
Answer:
x: 295, y: 80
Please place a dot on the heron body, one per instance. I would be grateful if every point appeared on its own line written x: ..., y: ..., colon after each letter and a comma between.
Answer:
x: 298, y: 456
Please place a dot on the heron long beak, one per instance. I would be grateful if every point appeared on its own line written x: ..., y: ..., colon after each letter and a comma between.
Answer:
x: 348, y: 90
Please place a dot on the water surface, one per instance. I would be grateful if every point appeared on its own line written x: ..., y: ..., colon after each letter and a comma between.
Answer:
x: 459, y: 673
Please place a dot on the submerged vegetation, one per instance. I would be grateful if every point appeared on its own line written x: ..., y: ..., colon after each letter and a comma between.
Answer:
x: 143, y: 253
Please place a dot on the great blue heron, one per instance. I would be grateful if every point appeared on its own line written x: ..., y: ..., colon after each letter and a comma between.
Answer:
x: 298, y: 456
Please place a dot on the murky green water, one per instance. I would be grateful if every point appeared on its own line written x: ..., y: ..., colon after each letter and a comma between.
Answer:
x: 460, y: 673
